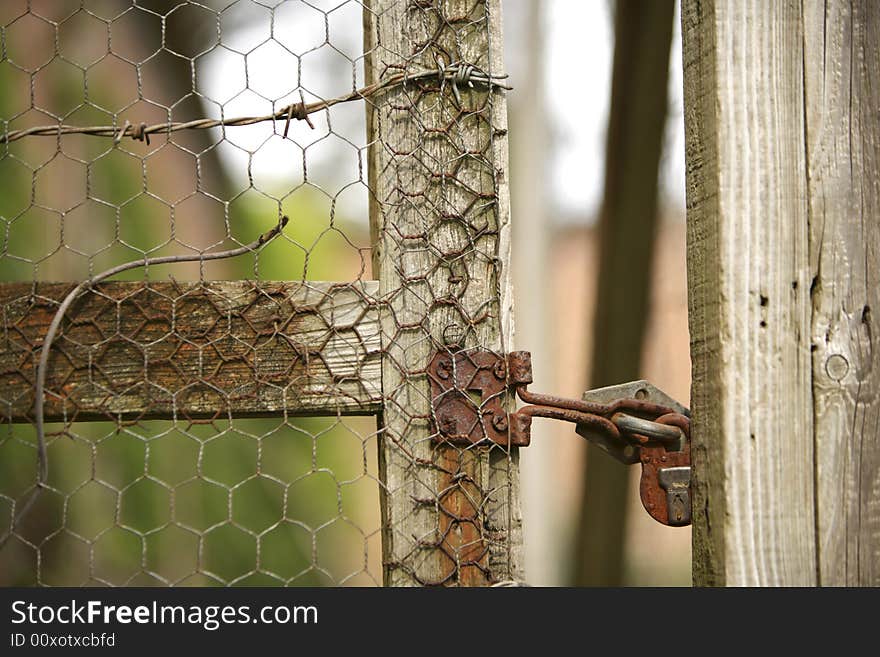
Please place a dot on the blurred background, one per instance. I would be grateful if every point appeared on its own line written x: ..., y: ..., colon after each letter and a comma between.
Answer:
x: 597, y: 180
x: 597, y: 184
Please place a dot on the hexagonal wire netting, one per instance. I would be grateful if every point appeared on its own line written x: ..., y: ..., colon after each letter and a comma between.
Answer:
x: 203, y: 426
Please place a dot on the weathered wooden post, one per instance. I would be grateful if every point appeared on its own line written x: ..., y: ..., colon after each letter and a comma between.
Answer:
x: 440, y: 220
x: 783, y: 197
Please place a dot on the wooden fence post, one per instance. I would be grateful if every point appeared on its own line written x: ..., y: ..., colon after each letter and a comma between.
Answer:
x: 783, y: 197
x: 441, y: 231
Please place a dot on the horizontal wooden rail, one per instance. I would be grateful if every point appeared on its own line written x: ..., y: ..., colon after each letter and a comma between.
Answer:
x: 134, y: 350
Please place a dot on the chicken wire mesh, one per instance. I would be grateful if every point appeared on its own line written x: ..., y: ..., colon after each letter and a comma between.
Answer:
x: 202, y: 413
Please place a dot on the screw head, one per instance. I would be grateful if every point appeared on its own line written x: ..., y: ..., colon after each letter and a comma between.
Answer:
x: 500, y: 370
x: 500, y: 422
x: 453, y: 336
x: 444, y: 369
x: 446, y: 424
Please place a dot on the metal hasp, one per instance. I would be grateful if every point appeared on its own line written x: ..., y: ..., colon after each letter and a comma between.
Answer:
x: 666, y: 465
x: 677, y: 483
x: 469, y: 392
x: 633, y: 422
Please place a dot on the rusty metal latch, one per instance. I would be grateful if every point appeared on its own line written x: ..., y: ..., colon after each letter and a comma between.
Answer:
x: 633, y: 422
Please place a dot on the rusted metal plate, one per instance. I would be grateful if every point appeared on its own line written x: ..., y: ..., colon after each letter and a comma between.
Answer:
x: 135, y: 350
x: 636, y: 391
x: 655, y: 496
x: 469, y: 391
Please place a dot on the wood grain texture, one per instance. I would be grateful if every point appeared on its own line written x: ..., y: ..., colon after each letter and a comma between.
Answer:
x: 441, y: 226
x: 748, y: 279
x: 842, y: 78
x: 783, y: 166
x: 193, y: 350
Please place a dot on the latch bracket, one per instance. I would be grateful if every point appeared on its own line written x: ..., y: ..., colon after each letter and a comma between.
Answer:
x: 634, y: 422
x: 469, y: 392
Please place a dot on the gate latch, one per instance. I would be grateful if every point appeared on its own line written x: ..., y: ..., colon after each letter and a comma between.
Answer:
x: 633, y: 422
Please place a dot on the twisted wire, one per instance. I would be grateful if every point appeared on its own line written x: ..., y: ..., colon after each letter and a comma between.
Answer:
x: 458, y: 74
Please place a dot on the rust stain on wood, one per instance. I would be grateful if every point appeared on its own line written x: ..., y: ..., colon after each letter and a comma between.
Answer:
x: 463, y: 538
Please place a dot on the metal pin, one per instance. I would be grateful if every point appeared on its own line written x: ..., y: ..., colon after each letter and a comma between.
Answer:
x: 303, y: 112
x: 287, y: 122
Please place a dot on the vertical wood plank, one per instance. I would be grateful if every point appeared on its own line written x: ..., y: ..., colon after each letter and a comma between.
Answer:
x: 504, y: 509
x: 842, y: 78
x: 440, y: 221
x: 749, y: 279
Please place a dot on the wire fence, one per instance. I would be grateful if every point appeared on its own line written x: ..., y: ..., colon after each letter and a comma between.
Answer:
x: 256, y: 274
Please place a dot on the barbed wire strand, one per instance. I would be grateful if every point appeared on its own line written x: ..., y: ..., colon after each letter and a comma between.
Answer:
x: 39, y: 385
x: 458, y: 74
